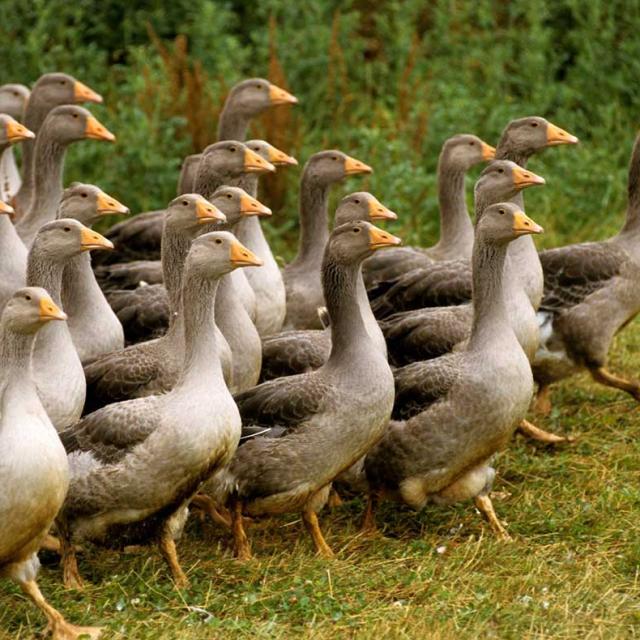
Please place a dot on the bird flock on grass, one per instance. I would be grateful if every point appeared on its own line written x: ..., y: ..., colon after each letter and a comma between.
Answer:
x: 170, y: 366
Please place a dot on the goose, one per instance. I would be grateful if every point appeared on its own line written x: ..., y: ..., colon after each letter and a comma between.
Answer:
x: 590, y: 294
x: 153, y: 366
x: 35, y: 472
x: 458, y: 155
x: 13, y: 253
x: 13, y: 98
x: 63, y: 126
x: 135, y: 465
x: 455, y: 412
x: 50, y: 91
x: 95, y: 328
x: 299, y: 351
x: 449, y: 282
x: 267, y: 282
x: 327, y: 419
x: 302, y: 278
x: 58, y: 371
x: 222, y: 163
x: 248, y: 99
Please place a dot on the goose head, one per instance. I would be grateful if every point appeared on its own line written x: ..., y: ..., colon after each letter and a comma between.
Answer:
x: 362, y: 205
x: 54, y: 89
x: 235, y: 202
x: 70, y: 123
x: 503, y: 179
x: 187, y: 214
x: 463, y: 151
x: 532, y: 134
x: 11, y: 131
x: 87, y: 203
x: 13, y: 99
x: 218, y: 252
x: 30, y: 308
x: 352, y: 242
x: 326, y: 167
x: 62, y: 239
x: 253, y: 96
x: 231, y: 158
x: 270, y: 153
x: 504, y: 222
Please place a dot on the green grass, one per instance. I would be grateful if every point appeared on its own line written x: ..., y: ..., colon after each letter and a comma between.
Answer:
x: 573, y: 570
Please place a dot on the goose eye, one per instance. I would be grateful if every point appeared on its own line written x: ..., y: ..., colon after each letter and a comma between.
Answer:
x: 356, y: 230
x: 471, y: 143
x: 17, y: 95
x: 67, y: 228
x: 501, y: 212
x: 27, y: 297
x: 500, y: 170
x: 534, y: 124
x: 258, y: 86
x: 83, y: 195
x: 357, y: 201
x: 75, y: 115
x: 218, y: 241
x: 185, y: 203
x: 229, y: 196
x: 334, y: 158
x: 63, y: 82
x: 232, y: 148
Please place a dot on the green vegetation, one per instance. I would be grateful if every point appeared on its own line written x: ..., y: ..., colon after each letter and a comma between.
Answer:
x: 386, y: 84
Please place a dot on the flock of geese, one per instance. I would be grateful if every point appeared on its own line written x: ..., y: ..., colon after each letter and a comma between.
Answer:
x: 182, y: 368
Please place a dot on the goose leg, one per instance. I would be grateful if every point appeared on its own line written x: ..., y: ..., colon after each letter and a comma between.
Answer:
x: 540, y: 435
x: 241, y: 548
x: 59, y: 628
x: 70, y: 573
x: 369, y: 526
x: 334, y: 500
x: 485, y: 507
x: 609, y: 379
x: 542, y: 403
x: 310, y: 519
x: 167, y: 546
x: 218, y: 515
x: 51, y: 543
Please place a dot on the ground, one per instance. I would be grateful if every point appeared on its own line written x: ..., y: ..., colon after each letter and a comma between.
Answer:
x: 572, y: 571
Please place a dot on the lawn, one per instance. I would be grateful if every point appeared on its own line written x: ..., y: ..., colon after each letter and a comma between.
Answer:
x: 572, y: 571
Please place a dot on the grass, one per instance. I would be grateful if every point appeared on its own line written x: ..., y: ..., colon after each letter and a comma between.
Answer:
x: 573, y: 570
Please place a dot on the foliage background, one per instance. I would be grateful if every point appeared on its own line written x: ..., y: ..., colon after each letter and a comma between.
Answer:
x: 386, y: 81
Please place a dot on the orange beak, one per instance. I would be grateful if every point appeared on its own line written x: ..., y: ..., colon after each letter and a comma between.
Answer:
x: 49, y: 310
x: 488, y: 152
x: 557, y: 136
x: 280, y: 96
x: 17, y: 132
x: 90, y: 239
x: 253, y: 163
x: 240, y: 256
x: 378, y: 239
x: 7, y: 209
x: 523, y: 179
x: 377, y: 211
x: 353, y: 167
x: 82, y: 93
x: 523, y: 225
x: 251, y: 207
x: 107, y: 205
x: 280, y: 158
x: 95, y: 130
x: 207, y: 212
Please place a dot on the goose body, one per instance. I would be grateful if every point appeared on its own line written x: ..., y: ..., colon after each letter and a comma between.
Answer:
x: 456, y: 411
x: 326, y: 419
x: 136, y: 464
x: 58, y: 373
x: 34, y: 471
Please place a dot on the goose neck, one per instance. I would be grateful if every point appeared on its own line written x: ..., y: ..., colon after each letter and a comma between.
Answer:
x: 173, y: 253
x: 45, y: 273
x: 455, y: 225
x: 232, y: 125
x: 314, y: 220
x: 632, y: 222
x: 15, y: 354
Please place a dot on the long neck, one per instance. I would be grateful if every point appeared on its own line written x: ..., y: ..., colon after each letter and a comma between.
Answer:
x: 314, y: 221
x: 48, y: 167
x: 15, y: 356
x: 45, y: 273
x: 456, y: 229
x: 232, y: 125
x: 34, y: 116
x: 207, y: 181
x: 490, y: 317
x: 202, y: 360
x: 249, y: 229
x: 174, y: 249
x: 348, y: 332
x: 632, y: 223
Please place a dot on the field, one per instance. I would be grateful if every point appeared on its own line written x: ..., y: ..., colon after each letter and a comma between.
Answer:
x: 572, y: 571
